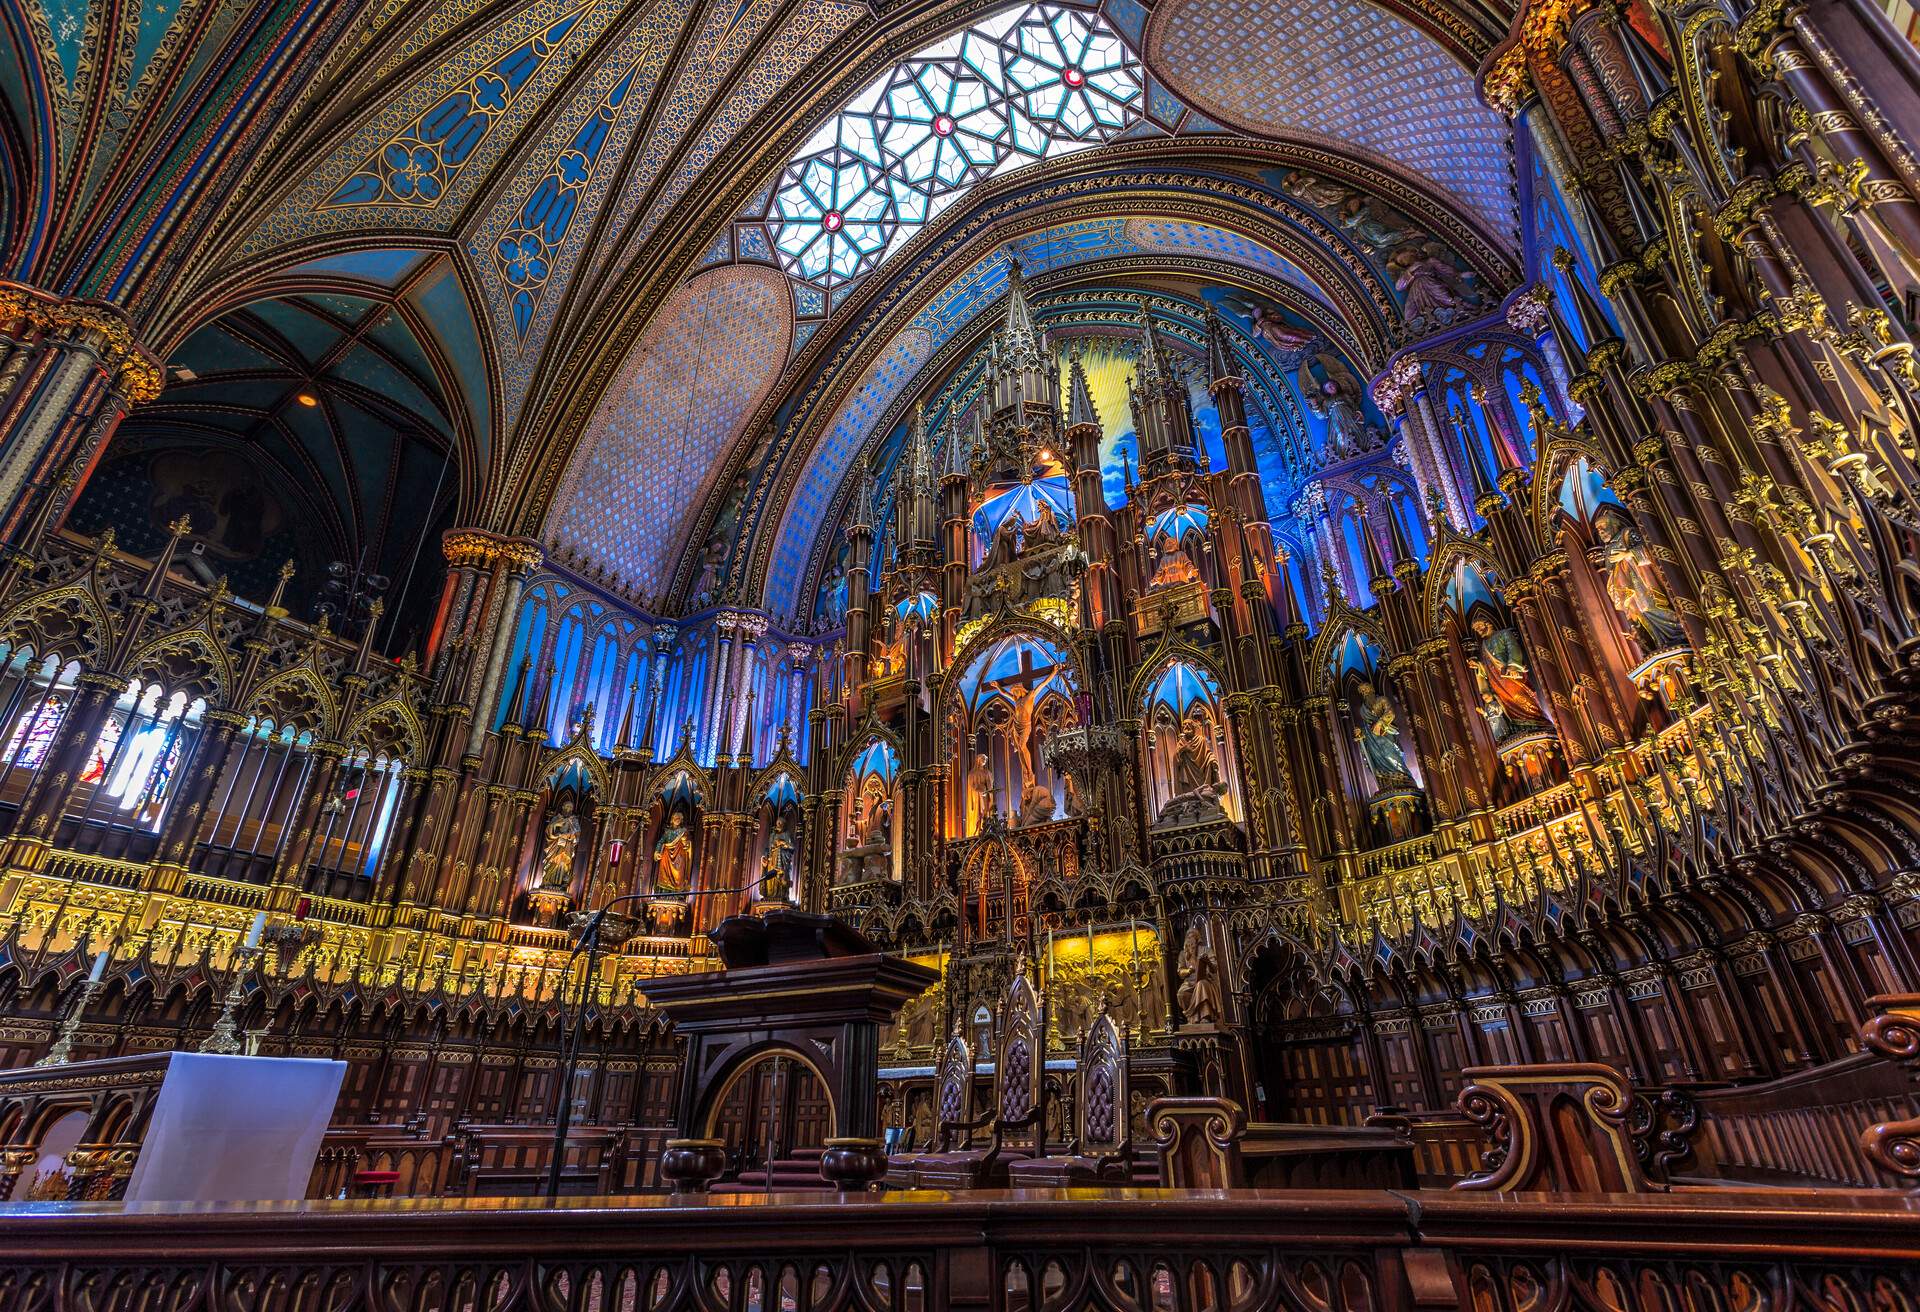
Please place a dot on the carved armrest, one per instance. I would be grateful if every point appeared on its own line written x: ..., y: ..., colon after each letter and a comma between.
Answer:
x: 947, y: 1128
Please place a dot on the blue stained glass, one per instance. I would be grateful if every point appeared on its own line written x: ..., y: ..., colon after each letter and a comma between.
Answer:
x: 528, y: 641
x: 877, y: 759
x: 1180, y: 686
x: 1030, y: 661
x: 920, y: 606
x: 566, y: 667
x: 1030, y: 82
x: 1176, y: 522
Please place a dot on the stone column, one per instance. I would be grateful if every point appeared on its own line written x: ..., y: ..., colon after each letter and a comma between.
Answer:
x: 69, y: 372
x: 512, y: 560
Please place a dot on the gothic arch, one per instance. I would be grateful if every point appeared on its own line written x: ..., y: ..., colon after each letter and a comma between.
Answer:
x: 298, y: 695
x: 187, y: 660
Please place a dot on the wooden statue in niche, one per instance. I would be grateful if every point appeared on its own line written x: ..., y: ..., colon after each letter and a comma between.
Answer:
x: 673, y: 855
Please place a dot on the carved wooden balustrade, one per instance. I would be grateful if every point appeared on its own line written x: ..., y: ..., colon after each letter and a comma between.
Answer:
x: 1533, y: 845
x: 1801, y: 1129
x: 1208, y: 1143
x: 1447, y: 1146
x: 1057, y: 1251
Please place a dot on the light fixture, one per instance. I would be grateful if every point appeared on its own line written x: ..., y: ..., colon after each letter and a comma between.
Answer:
x: 307, y: 399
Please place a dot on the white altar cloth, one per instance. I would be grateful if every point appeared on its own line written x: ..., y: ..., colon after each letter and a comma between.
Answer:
x: 235, y: 1129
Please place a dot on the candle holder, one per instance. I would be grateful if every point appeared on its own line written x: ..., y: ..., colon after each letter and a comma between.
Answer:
x: 62, y: 1050
x: 225, y: 1040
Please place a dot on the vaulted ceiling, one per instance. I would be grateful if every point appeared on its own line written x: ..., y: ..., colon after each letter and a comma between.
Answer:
x: 662, y: 291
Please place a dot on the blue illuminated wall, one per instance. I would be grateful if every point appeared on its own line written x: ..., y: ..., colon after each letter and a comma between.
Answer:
x: 576, y: 651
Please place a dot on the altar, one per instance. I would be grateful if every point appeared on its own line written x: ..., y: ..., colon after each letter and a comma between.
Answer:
x: 165, y: 1127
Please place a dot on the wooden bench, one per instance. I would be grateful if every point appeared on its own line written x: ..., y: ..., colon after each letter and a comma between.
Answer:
x: 1207, y: 1143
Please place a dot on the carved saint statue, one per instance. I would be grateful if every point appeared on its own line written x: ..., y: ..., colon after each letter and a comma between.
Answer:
x: 875, y: 821
x: 1500, y: 668
x: 980, y: 788
x: 1046, y: 526
x: 1200, y: 999
x: 1633, y: 585
x: 1006, y: 543
x: 562, y: 838
x: 673, y: 856
x: 1379, y: 733
x: 776, y: 868
x: 1196, y: 770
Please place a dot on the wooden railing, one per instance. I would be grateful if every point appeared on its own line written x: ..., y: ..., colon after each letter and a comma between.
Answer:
x: 1801, y: 1129
x: 1447, y: 1146
x: 1208, y: 1143
x: 1037, y: 1251
x: 485, y: 1161
x: 418, y: 1164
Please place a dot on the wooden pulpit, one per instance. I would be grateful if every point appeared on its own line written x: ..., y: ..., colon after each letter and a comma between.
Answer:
x: 806, y: 986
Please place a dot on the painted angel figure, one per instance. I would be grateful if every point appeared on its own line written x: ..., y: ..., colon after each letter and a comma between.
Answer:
x: 1435, y: 291
x: 1376, y: 225
x: 1269, y: 325
x: 1334, y: 394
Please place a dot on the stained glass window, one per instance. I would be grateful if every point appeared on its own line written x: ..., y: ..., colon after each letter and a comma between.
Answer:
x: 1031, y: 82
x: 35, y: 733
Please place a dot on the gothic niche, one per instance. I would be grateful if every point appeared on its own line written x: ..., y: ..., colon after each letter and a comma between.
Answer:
x: 1637, y: 627
x: 1382, y: 738
x: 1023, y: 549
x: 776, y: 843
x: 1176, y: 544
x: 1498, y: 668
x: 1633, y: 629
x: 1012, y: 698
x: 674, y: 841
x: 562, y: 853
x: 996, y: 886
x: 1188, y: 779
x: 871, y: 838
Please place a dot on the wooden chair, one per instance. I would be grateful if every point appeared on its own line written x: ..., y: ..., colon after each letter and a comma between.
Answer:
x: 1102, y: 1149
x: 952, y: 1109
x: 1016, y: 1124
